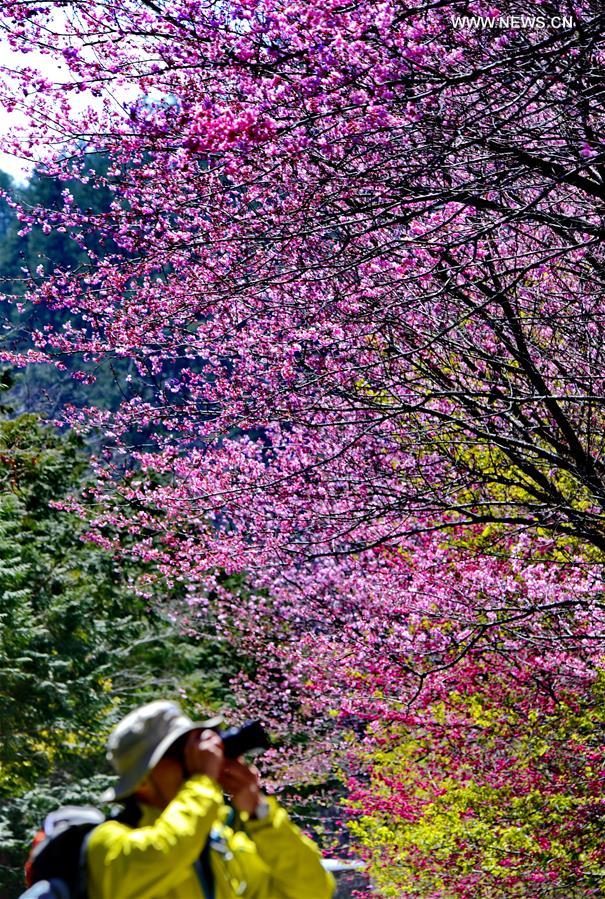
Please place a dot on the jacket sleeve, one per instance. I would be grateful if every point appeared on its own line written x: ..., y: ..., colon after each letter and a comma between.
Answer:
x: 140, y: 862
x: 292, y: 858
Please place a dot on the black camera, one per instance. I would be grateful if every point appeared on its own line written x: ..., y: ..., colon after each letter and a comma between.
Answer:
x: 251, y: 737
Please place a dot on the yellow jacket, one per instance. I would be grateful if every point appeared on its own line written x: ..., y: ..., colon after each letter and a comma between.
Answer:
x: 270, y: 860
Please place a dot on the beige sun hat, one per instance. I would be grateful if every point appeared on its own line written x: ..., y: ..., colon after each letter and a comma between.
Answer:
x: 140, y: 740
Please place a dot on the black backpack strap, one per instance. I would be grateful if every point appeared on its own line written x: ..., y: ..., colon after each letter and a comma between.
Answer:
x: 130, y: 813
x: 203, y: 869
x: 81, y: 883
x: 62, y: 889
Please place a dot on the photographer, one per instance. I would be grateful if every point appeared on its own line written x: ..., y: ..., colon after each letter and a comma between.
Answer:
x: 176, y: 838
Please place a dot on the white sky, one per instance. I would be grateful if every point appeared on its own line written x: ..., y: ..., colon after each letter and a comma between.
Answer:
x: 51, y: 69
x: 54, y: 70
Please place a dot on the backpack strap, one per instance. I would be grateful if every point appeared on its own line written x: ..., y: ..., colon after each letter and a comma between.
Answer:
x: 130, y: 813
x: 61, y: 887
x: 81, y: 882
x: 43, y: 889
x: 203, y: 869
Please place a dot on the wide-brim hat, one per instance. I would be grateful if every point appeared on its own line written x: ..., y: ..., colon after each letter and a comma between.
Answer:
x: 140, y: 740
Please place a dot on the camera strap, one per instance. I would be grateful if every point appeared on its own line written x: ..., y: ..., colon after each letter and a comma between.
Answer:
x: 203, y: 869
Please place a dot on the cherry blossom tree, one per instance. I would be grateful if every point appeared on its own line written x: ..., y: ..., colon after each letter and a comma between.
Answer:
x: 354, y: 254
x: 369, y: 240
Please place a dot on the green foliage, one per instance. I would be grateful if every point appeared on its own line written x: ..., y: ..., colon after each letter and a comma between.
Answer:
x: 42, y: 388
x: 80, y: 642
x: 491, y: 798
x: 54, y: 250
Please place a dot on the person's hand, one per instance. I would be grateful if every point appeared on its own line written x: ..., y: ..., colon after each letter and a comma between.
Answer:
x: 242, y: 783
x: 204, y: 754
